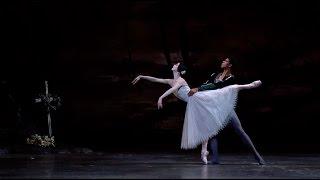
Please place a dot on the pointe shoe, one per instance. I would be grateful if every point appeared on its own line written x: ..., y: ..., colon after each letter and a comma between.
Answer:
x: 256, y: 84
x: 204, y: 155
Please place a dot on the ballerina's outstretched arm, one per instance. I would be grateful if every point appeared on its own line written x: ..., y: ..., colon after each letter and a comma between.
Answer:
x: 150, y: 78
x: 168, y: 92
x: 164, y: 81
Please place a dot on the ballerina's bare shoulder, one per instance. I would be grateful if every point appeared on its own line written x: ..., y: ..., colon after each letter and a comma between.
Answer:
x: 179, y: 81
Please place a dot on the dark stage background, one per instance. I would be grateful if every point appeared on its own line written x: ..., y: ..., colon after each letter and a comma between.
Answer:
x: 90, y: 51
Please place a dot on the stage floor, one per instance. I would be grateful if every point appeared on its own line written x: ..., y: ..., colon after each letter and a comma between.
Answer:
x: 156, y: 165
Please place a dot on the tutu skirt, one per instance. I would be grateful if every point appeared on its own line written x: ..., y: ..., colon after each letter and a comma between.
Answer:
x: 207, y: 113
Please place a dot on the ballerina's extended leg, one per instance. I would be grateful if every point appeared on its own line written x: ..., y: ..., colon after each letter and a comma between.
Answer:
x: 252, y: 85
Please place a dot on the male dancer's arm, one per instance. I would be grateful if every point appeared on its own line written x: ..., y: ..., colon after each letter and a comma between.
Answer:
x: 218, y: 85
x: 212, y: 86
x: 209, y: 84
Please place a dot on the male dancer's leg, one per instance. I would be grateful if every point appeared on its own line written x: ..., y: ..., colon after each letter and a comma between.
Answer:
x: 244, y: 137
x: 214, y: 150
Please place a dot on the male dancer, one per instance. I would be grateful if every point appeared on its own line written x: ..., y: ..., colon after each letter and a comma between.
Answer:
x: 217, y: 81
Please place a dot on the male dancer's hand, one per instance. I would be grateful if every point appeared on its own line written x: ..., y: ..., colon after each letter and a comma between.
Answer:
x: 192, y: 91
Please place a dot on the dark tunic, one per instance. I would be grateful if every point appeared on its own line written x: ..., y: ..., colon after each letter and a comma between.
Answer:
x: 214, y: 83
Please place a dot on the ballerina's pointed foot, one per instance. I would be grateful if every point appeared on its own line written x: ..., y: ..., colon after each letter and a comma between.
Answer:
x: 256, y: 84
x: 204, y: 155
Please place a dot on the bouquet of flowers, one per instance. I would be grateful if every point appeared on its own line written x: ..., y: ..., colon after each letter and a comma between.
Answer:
x: 43, y: 141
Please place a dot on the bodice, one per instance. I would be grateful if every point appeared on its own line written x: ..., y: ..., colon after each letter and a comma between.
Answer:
x: 182, y: 93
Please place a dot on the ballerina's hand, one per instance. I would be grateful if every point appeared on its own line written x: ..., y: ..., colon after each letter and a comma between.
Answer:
x: 160, y: 106
x: 136, y: 80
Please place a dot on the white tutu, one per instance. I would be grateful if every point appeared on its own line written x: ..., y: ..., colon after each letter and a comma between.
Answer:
x: 206, y: 114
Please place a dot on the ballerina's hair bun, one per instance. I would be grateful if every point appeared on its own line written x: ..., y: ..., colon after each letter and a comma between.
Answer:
x: 182, y: 69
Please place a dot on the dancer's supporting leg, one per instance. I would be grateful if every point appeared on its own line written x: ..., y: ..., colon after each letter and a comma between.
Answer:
x: 214, y: 150
x: 204, y: 152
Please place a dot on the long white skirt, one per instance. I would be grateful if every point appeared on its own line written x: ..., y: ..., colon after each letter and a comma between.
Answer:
x: 206, y: 114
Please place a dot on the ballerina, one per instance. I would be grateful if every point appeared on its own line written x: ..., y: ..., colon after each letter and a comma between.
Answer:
x: 206, y: 112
